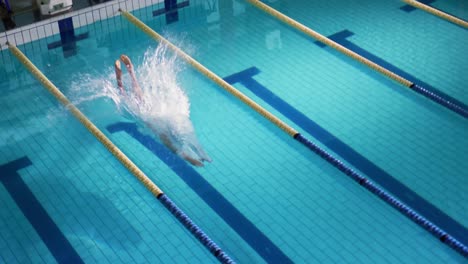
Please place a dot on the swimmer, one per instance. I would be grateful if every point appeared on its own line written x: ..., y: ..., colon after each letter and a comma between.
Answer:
x: 118, y: 74
x: 188, y: 151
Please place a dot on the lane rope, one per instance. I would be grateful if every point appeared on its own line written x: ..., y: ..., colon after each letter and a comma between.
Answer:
x: 438, y: 13
x: 212, y: 76
x: 140, y: 175
x: 394, y: 202
x: 319, y: 37
x: 438, y: 232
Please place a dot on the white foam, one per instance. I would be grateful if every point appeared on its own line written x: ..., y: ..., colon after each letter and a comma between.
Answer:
x: 164, y: 107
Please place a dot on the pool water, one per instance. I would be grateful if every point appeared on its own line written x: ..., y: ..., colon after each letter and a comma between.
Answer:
x: 264, y: 198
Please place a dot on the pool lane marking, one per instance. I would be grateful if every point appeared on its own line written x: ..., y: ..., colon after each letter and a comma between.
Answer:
x: 35, y: 213
x: 341, y: 38
x: 171, y: 10
x: 360, y: 162
x: 212, y: 197
x: 114, y: 150
x: 403, y: 208
x: 289, y: 21
x: 309, y: 32
x: 198, y: 66
x: 437, y: 12
x: 68, y: 38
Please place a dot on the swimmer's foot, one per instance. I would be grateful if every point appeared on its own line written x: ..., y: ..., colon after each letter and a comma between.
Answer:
x: 118, y: 75
x: 126, y: 60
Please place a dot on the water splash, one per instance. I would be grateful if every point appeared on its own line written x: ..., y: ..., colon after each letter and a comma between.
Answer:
x: 87, y: 88
x: 162, y: 97
x: 163, y: 107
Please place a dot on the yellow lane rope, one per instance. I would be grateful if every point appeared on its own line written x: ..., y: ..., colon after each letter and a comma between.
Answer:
x: 210, y: 74
x: 291, y: 22
x: 86, y: 122
x: 437, y: 12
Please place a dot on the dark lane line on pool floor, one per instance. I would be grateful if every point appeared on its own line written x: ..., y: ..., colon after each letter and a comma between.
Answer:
x: 230, y: 214
x: 68, y: 38
x: 171, y: 10
x: 341, y: 38
x: 306, y: 31
x: 360, y: 162
x: 37, y: 216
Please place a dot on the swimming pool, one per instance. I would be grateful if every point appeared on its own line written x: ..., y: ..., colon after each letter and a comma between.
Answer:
x: 265, y: 198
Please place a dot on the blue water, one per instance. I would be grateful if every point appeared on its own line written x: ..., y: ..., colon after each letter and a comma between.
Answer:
x: 283, y: 195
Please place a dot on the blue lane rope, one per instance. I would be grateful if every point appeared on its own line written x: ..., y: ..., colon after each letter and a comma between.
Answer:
x: 375, y: 66
x: 438, y: 99
x: 239, y: 223
x: 443, y: 236
x: 422, y: 88
x: 446, y: 238
x: 195, y: 230
x: 135, y: 170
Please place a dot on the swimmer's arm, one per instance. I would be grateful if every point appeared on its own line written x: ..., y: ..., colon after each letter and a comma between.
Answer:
x: 166, y: 141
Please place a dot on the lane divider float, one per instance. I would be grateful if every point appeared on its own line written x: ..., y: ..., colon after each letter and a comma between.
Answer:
x: 363, y: 181
x: 140, y: 175
x: 212, y: 76
x: 319, y: 37
x: 437, y: 12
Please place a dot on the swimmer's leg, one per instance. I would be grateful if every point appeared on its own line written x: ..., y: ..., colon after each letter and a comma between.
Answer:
x: 118, y: 76
x: 128, y: 63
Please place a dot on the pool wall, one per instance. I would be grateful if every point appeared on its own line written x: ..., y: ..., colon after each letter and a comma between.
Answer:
x: 79, y: 18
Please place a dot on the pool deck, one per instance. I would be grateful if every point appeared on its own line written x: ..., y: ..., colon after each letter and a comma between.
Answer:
x: 25, y: 12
